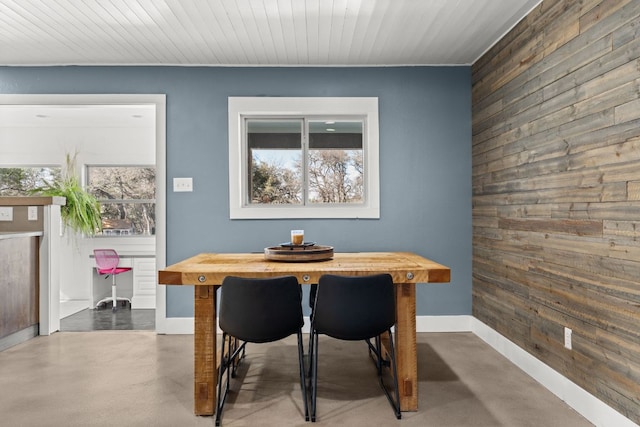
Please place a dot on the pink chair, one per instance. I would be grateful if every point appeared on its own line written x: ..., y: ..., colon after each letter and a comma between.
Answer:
x: 107, y: 263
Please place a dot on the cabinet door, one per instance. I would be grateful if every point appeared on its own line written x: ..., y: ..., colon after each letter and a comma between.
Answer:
x: 144, y: 283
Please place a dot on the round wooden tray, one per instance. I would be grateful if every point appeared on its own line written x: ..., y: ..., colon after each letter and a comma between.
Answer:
x: 298, y: 253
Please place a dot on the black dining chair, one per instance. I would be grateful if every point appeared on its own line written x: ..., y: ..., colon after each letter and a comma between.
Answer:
x: 257, y: 311
x: 356, y: 308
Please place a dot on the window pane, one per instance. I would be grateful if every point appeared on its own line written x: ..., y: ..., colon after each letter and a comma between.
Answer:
x: 20, y: 181
x: 336, y: 166
x: 275, y: 153
x: 127, y: 198
x: 126, y: 219
x: 122, y: 182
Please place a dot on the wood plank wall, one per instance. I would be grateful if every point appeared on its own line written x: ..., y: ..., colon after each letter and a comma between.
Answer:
x: 556, y: 192
x: 19, y: 284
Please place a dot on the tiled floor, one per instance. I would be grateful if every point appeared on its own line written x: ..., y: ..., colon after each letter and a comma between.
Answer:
x: 105, y: 319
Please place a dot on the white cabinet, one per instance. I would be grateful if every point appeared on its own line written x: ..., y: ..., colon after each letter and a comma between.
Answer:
x: 144, y: 283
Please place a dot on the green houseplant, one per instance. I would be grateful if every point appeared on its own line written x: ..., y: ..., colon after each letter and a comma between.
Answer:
x: 82, y: 210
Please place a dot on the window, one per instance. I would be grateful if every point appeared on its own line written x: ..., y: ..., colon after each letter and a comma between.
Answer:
x: 303, y: 158
x: 20, y: 181
x: 127, y: 198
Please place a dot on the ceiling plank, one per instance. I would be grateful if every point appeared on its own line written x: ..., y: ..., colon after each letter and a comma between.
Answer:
x: 253, y: 32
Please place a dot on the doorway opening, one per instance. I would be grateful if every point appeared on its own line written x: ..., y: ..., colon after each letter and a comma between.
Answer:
x: 105, y: 130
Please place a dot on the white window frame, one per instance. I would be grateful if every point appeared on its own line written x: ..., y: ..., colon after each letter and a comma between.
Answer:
x: 240, y: 107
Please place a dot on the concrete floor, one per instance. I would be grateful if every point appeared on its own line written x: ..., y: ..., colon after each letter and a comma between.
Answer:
x: 138, y: 378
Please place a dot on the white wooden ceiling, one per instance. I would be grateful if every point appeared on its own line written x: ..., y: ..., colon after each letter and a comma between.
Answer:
x: 253, y: 32
x: 76, y: 116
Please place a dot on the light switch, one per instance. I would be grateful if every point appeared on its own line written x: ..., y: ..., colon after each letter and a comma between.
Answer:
x: 182, y: 184
x: 32, y: 213
x: 6, y: 213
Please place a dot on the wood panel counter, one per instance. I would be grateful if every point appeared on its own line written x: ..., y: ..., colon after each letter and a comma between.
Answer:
x: 206, y: 272
x: 19, y: 283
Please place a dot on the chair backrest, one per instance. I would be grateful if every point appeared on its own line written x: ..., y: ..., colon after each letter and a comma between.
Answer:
x: 106, y: 259
x: 354, y: 307
x: 260, y: 310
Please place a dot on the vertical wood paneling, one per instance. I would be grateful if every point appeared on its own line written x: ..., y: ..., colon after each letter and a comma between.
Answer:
x: 556, y: 192
x: 18, y: 284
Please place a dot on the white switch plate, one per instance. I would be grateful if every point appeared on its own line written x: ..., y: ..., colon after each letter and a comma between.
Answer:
x: 567, y: 338
x: 32, y: 213
x: 6, y: 213
x: 182, y: 184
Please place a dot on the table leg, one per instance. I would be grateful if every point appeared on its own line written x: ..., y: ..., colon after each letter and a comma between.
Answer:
x: 406, y: 348
x: 205, y: 351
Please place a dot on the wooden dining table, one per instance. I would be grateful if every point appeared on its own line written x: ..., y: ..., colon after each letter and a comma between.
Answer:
x: 207, y: 270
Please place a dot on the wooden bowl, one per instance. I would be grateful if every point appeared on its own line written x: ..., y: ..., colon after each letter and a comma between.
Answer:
x: 303, y: 253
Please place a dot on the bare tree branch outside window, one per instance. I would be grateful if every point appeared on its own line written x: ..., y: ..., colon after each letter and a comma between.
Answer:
x: 127, y: 198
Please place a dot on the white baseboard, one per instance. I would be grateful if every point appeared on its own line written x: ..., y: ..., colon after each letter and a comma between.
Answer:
x: 443, y: 323
x: 143, y: 301
x: 583, y: 402
x: 184, y: 325
x: 177, y: 326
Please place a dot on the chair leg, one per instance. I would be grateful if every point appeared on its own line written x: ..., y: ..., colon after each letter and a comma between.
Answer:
x: 303, y: 381
x: 224, y: 358
x: 378, y: 353
x: 375, y: 353
x: 395, y: 378
x: 230, y: 353
x: 233, y: 346
x: 310, y: 353
x: 114, y: 298
x: 374, y: 350
x: 239, y: 355
x: 314, y: 374
x: 395, y: 405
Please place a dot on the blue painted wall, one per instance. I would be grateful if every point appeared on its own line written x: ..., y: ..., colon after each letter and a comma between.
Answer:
x: 425, y: 160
